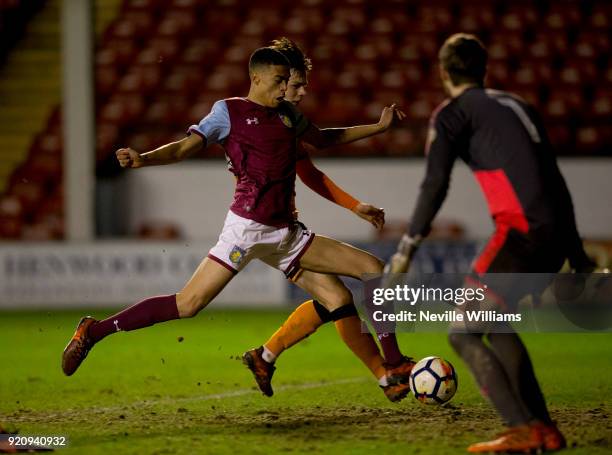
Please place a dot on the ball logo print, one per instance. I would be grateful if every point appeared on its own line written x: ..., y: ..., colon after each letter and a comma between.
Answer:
x: 433, y: 380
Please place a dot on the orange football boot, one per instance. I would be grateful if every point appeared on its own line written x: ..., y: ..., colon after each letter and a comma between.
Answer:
x: 400, y: 374
x: 262, y: 370
x: 78, y: 347
x: 519, y: 439
x: 553, y: 439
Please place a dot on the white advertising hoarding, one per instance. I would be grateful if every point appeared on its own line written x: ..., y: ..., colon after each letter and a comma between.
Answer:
x: 118, y: 274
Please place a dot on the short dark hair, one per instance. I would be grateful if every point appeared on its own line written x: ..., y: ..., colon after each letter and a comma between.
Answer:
x: 465, y: 58
x: 295, y: 55
x: 266, y: 56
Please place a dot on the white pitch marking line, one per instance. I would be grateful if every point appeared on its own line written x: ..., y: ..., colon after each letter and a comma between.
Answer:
x: 212, y: 396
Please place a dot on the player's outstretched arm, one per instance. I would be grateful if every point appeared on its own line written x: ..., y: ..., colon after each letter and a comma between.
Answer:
x: 166, y: 154
x: 329, y: 137
x: 321, y: 184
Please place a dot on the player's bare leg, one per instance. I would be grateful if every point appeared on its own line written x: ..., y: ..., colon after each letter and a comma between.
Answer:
x: 336, y: 304
x: 205, y: 284
x: 327, y: 255
x: 208, y: 280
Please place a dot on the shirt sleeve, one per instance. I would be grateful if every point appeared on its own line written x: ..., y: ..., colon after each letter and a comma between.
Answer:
x: 441, y: 150
x: 215, y: 127
x: 321, y: 184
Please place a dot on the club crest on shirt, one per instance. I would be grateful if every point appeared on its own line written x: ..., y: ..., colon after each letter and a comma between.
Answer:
x: 286, y: 120
x: 236, y: 255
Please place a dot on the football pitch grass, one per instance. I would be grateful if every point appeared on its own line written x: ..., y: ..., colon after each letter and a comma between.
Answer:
x: 180, y: 387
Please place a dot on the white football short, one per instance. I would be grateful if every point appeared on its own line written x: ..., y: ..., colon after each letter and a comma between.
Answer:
x: 243, y: 240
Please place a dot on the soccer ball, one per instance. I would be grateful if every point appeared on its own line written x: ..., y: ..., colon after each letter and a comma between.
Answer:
x: 433, y: 380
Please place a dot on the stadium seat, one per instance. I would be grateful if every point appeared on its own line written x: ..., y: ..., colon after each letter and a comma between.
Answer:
x: 122, y: 109
x: 28, y: 192
x: 564, y: 103
x: 176, y: 24
x: 107, y: 135
x: 518, y: 17
x: 601, y: 17
x: 140, y: 78
x: 562, y: 17
x: 476, y: 18
x: 160, y: 65
x: 134, y: 25
x: 591, y: 139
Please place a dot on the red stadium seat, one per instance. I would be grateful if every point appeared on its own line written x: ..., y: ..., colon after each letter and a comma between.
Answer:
x: 48, y: 143
x: 11, y: 210
x: 476, y: 18
x: 601, y: 106
x: 547, y: 45
x: 183, y: 80
x: 143, y: 79
x: 133, y: 24
x: 577, y: 72
x: 591, y: 139
x: 171, y: 112
x: 563, y: 103
x: 142, y: 5
x: 45, y: 168
x: 28, y: 192
x: 200, y: 51
x: 11, y: 227
x: 592, y: 45
x: 506, y: 44
x: 122, y: 109
x: 106, y: 80
x: 116, y: 51
x: 176, y: 23
x: 433, y: 18
x: 11, y: 217
x: 164, y: 53
x: 423, y: 104
x: 601, y: 17
x: 562, y: 16
x: 518, y: 17
x: 107, y: 136
x: 159, y: 51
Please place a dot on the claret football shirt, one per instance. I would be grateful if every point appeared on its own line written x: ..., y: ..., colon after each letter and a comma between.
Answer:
x: 261, y: 147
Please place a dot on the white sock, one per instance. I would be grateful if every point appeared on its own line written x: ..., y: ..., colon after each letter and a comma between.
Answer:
x: 382, y: 381
x: 268, y: 355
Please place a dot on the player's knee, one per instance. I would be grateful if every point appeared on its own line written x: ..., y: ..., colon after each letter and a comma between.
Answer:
x: 372, y: 265
x: 340, y: 299
x: 190, y: 304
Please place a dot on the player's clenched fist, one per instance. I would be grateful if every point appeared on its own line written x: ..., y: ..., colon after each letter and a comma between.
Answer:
x: 129, y: 158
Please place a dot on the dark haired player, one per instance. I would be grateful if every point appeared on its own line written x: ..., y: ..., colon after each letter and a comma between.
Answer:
x: 504, y: 143
x: 329, y: 291
x: 259, y: 134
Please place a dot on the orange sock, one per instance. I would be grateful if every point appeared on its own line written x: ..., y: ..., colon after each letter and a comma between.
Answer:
x: 306, y: 319
x: 362, y: 344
